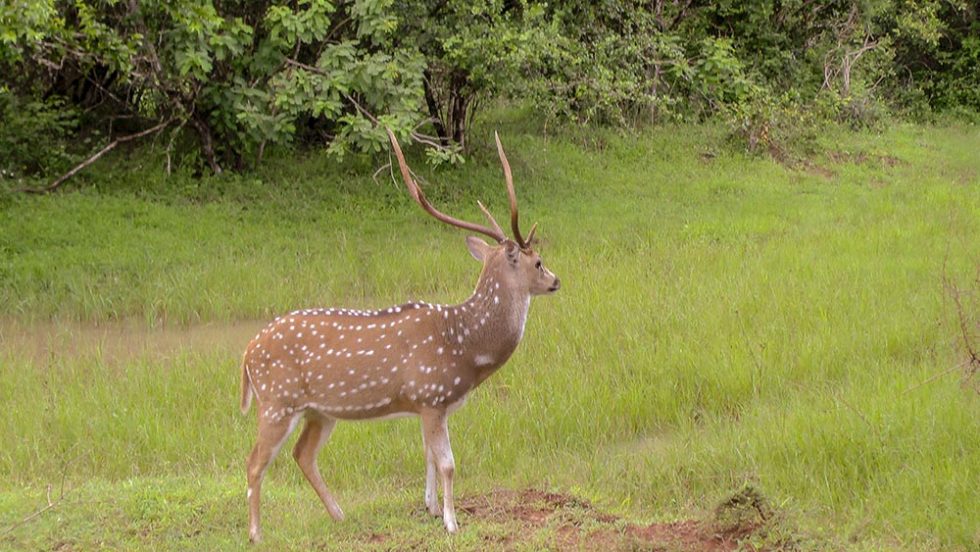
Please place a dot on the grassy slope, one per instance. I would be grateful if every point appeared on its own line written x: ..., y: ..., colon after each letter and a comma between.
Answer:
x: 723, y: 320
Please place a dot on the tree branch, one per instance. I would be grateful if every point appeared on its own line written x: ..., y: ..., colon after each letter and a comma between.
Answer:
x: 61, y: 180
x: 51, y: 503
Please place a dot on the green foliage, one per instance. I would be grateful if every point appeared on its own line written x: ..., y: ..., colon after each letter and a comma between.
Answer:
x: 35, y: 136
x: 245, y: 76
x: 776, y: 125
x: 473, y: 52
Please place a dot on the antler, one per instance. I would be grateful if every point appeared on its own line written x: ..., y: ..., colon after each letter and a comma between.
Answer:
x: 508, y: 177
x: 416, y: 193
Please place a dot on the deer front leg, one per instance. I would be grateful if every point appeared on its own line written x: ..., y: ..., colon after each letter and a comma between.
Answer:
x: 431, y: 493
x: 436, y: 428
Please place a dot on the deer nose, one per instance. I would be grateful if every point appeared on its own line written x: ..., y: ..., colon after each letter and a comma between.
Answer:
x: 556, y: 285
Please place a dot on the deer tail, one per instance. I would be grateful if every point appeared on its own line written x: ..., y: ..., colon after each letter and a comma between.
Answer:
x: 246, y: 389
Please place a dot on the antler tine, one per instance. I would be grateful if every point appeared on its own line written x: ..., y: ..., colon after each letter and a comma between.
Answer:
x: 511, y: 194
x: 493, y: 221
x: 419, y: 197
x: 530, y: 235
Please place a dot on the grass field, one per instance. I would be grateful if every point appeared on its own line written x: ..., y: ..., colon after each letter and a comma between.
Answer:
x: 724, y: 322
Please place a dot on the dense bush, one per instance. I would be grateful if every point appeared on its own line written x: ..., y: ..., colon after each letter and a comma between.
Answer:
x: 34, y: 135
x: 240, y: 76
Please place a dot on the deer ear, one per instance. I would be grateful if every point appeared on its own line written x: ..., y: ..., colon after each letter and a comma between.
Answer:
x: 478, y: 248
x: 513, y: 252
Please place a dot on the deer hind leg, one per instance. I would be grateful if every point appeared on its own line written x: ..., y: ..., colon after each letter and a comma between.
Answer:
x: 272, y: 434
x: 436, y: 428
x: 431, y: 493
x: 315, y: 433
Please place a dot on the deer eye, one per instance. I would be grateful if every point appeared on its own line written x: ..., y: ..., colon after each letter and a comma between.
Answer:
x: 537, y: 265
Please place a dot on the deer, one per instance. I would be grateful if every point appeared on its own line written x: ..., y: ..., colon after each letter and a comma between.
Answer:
x: 324, y: 365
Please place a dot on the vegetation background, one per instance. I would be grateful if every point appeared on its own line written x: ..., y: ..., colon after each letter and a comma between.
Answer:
x: 766, y: 217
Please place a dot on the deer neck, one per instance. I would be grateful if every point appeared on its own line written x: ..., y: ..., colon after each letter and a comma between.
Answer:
x: 488, y: 326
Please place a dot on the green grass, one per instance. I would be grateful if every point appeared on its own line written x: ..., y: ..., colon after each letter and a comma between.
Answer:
x: 722, y: 320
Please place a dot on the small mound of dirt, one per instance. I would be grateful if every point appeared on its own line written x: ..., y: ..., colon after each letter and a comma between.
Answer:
x: 743, y: 513
x: 565, y: 522
x: 861, y: 158
x: 838, y: 157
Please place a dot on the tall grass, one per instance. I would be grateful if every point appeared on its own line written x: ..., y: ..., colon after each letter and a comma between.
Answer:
x: 723, y: 320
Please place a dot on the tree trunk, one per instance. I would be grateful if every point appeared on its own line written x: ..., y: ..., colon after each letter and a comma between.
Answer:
x: 207, y: 144
x: 433, y: 106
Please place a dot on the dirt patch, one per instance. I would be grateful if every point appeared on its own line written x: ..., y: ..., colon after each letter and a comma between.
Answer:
x: 838, y: 157
x: 120, y: 342
x: 810, y: 167
x: 558, y: 521
x: 862, y: 158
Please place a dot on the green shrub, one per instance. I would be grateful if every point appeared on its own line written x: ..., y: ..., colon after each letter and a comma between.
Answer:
x: 34, y: 136
x: 779, y: 125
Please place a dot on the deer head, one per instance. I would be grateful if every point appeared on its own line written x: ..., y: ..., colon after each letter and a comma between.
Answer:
x: 513, y: 261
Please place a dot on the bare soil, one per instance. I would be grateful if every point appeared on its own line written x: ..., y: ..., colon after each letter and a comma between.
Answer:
x: 572, y: 523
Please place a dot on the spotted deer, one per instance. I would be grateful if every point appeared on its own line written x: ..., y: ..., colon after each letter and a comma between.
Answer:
x: 325, y: 365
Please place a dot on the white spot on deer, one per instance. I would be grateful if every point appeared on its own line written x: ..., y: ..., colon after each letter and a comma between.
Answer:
x: 439, y: 351
x: 483, y: 360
